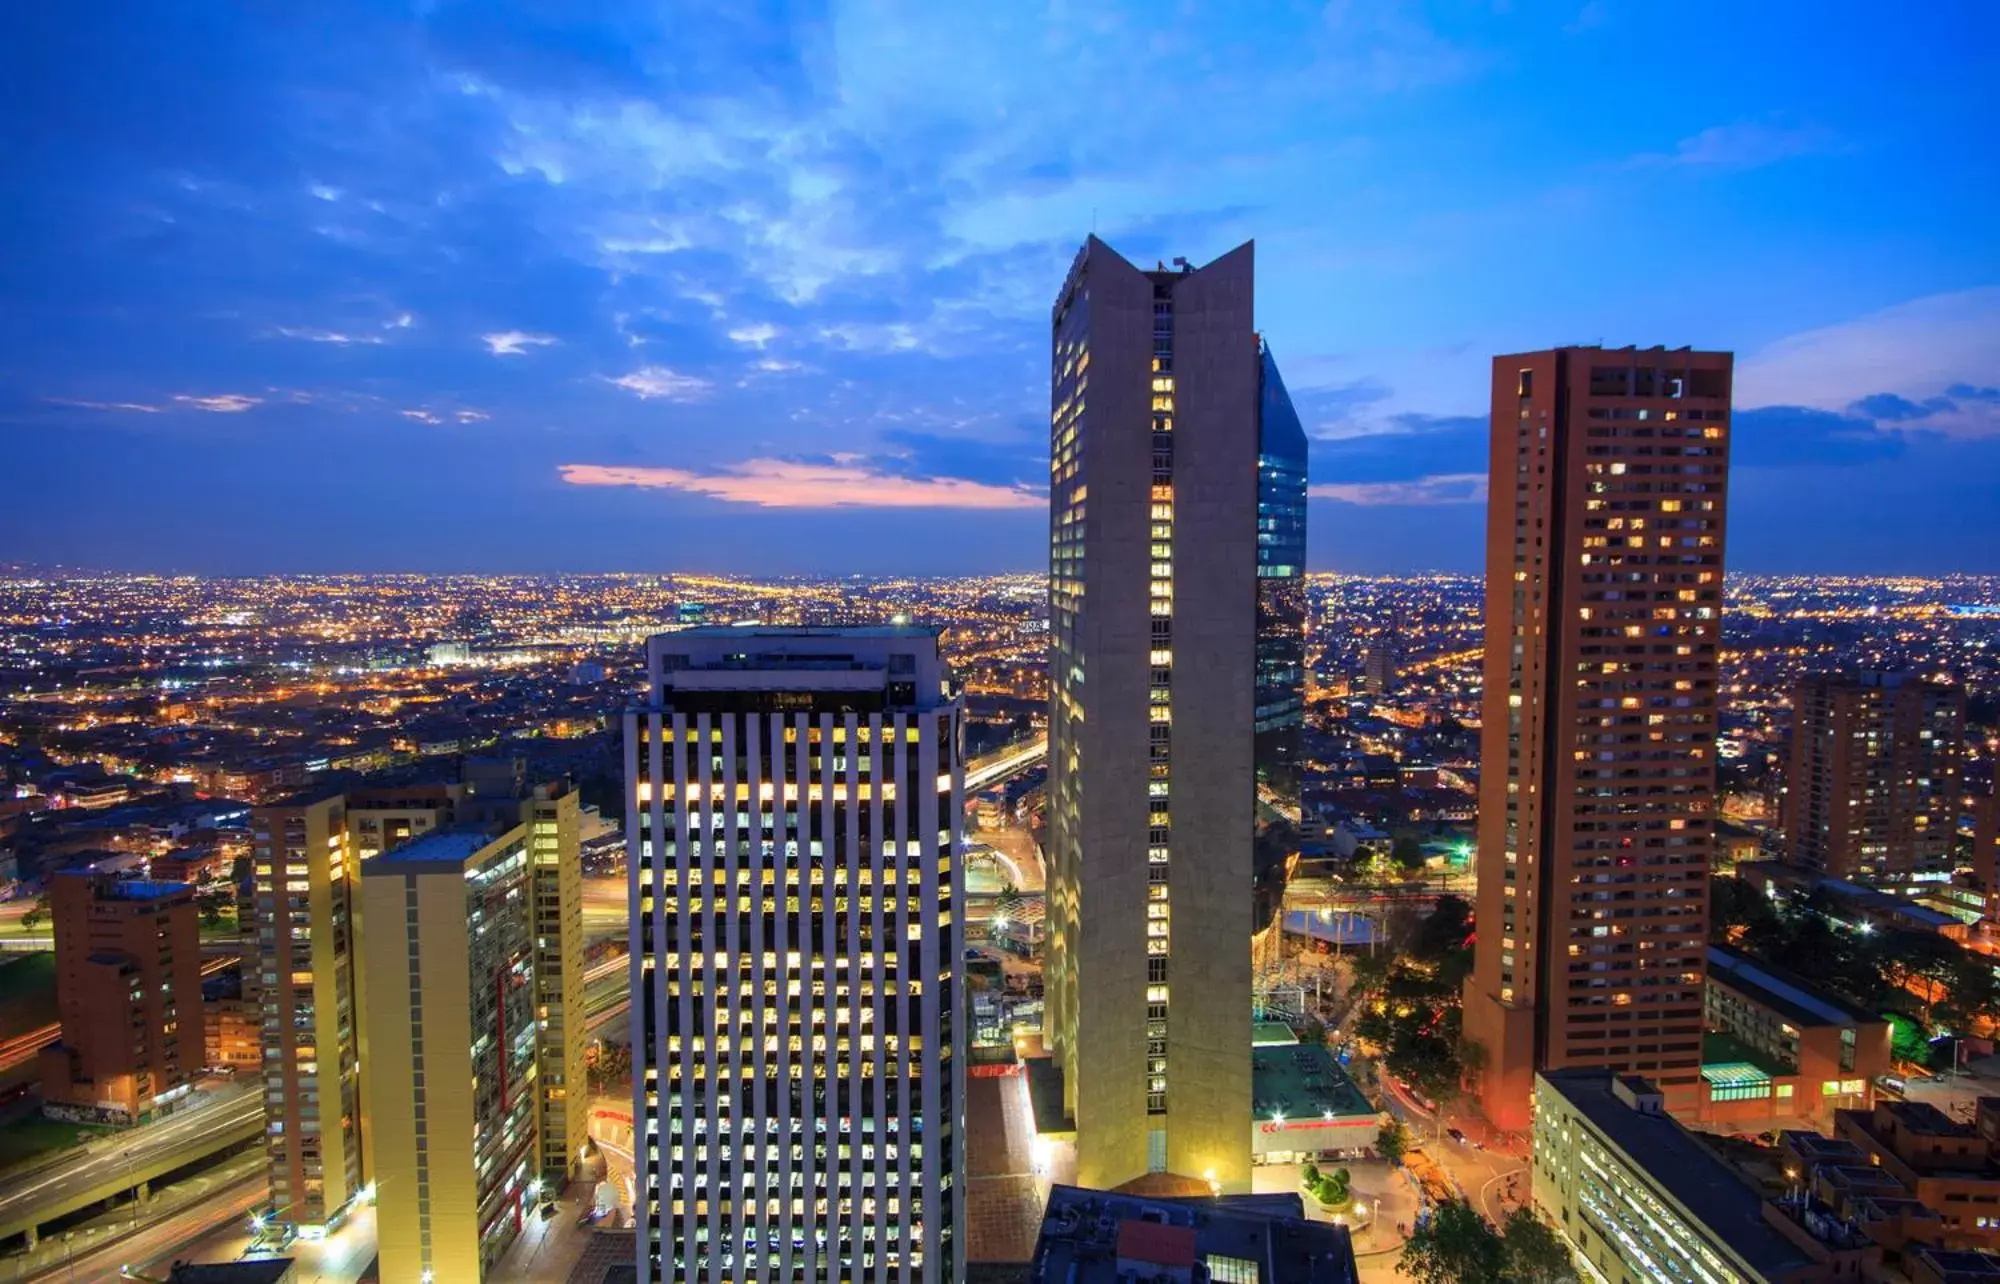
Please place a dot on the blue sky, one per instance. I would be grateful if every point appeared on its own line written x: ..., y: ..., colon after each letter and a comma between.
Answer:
x: 559, y: 284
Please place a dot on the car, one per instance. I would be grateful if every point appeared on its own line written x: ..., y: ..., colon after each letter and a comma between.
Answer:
x: 1456, y: 1136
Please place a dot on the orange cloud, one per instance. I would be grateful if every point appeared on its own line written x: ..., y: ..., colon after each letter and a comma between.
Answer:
x: 779, y: 483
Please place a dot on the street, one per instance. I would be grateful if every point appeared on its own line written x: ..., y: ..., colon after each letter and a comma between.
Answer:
x: 109, y: 1158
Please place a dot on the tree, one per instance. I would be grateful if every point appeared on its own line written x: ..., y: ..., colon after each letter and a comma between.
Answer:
x: 1531, y: 1253
x: 1393, y: 1141
x: 37, y: 912
x: 1922, y: 963
x: 1407, y: 852
x: 1006, y: 909
x: 1906, y: 1041
x: 1454, y: 1245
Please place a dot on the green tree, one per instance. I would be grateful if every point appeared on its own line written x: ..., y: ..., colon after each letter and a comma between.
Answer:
x: 1455, y: 1245
x: 1006, y: 909
x: 1906, y: 1041
x: 1531, y: 1253
x: 1923, y: 964
x: 1407, y: 852
x: 36, y: 915
x: 1393, y: 1141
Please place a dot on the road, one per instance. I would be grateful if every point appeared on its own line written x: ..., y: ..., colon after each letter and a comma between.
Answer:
x: 113, y: 1158
x: 1482, y: 1172
x: 995, y: 769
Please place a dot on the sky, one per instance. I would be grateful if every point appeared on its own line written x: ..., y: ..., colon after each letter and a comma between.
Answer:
x: 541, y: 285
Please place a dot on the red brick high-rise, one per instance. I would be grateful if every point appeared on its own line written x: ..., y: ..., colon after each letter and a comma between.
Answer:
x: 1604, y: 553
x: 1872, y: 787
x: 128, y: 987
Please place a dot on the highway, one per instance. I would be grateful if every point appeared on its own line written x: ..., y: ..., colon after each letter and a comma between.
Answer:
x: 114, y: 1164
x: 994, y: 769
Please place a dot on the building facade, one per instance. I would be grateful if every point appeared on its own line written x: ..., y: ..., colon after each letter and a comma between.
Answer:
x: 1639, y: 1199
x: 1155, y: 385
x: 1604, y: 561
x: 304, y: 869
x: 798, y: 1053
x: 1872, y: 787
x: 1790, y: 1051
x: 452, y: 1088
x: 1281, y: 589
x: 310, y: 853
x: 128, y: 988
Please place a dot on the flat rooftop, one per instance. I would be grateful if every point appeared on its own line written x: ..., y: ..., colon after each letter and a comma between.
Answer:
x: 1673, y: 1160
x: 1302, y: 1081
x: 441, y: 847
x: 740, y: 631
x: 1083, y: 1231
x: 1781, y: 993
x: 128, y: 889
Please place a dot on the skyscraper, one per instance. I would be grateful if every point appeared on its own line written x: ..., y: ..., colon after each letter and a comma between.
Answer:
x: 1281, y: 590
x: 1281, y: 640
x: 1604, y: 555
x: 447, y: 946
x: 1872, y: 787
x: 798, y: 1053
x: 1153, y: 559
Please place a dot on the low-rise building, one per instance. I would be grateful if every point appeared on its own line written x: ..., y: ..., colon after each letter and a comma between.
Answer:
x: 1104, y: 1237
x: 1840, y: 1174
x: 1640, y: 1198
x: 1949, y: 1166
x: 1779, y: 1049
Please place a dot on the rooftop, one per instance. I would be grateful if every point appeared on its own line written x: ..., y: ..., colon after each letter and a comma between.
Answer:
x: 441, y: 847
x: 128, y: 889
x: 1781, y: 993
x: 1085, y: 1232
x: 1671, y: 1159
x: 265, y: 1270
x: 1300, y: 1081
x: 739, y: 631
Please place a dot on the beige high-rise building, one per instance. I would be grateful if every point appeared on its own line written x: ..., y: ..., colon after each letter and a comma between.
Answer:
x: 1597, y: 805
x: 447, y: 947
x: 1154, y: 442
x: 312, y: 993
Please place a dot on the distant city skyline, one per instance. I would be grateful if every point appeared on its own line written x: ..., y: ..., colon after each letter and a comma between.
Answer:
x: 509, y: 288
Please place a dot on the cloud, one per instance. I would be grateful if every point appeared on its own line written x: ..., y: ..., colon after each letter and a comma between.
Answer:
x: 421, y: 416
x: 890, y: 336
x: 1436, y: 488
x: 755, y: 335
x: 1743, y: 145
x: 137, y: 406
x: 470, y: 416
x: 311, y: 335
x: 1917, y: 350
x: 649, y: 382
x: 515, y: 343
x: 227, y: 403
x: 781, y: 483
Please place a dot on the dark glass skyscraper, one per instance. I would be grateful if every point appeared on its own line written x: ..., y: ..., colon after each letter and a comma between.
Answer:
x: 1281, y: 590
x: 1281, y: 632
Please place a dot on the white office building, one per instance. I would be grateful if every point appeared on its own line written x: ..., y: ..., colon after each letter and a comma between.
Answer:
x: 798, y: 1051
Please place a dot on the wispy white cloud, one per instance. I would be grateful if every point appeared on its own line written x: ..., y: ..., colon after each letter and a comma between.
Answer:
x: 138, y: 407
x: 1918, y: 350
x: 756, y: 334
x: 421, y: 416
x: 1438, y: 488
x: 1745, y: 144
x: 779, y: 483
x: 892, y: 336
x: 649, y: 382
x: 515, y: 343
x: 227, y: 403
x: 470, y: 416
x: 311, y: 334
